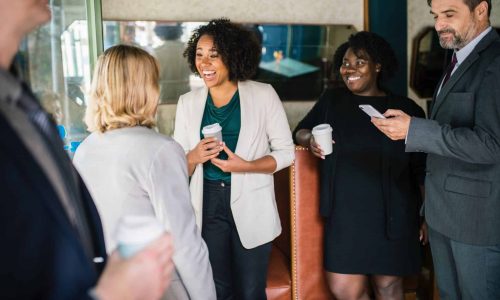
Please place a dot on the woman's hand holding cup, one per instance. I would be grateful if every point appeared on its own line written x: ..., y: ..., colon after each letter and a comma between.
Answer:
x: 207, y: 148
x: 315, y: 148
x: 321, y: 140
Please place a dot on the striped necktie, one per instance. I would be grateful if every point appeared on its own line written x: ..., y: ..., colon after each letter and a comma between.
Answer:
x: 450, y: 68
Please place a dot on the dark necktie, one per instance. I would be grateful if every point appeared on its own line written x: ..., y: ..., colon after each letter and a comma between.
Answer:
x: 46, y: 126
x: 450, y: 68
x: 38, y: 117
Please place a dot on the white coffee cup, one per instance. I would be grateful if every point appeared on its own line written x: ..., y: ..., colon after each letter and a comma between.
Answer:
x: 213, y: 130
x: 134, y: 233
x: 323, y: 136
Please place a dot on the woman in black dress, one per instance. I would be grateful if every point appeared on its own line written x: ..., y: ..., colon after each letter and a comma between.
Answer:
x: 370, y: 188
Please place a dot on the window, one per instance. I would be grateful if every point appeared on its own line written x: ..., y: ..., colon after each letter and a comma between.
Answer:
x: 55, y: 61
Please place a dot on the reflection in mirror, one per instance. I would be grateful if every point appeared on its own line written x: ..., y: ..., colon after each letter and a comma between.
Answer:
x: 428, y: 62
x: 428, y: 59
x: 296, y: 59
x: 174, y: 71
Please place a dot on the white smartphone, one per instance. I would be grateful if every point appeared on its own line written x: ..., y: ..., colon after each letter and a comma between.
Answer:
x: 371, y: 111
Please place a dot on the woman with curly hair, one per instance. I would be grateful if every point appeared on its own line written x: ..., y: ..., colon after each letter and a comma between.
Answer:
x: 370, y: 188
x: 232, y: 187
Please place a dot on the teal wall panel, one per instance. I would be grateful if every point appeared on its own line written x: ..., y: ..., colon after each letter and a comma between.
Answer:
x: 388, y: 18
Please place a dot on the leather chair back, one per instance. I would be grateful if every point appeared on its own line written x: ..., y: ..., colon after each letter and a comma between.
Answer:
x: 308, y: 278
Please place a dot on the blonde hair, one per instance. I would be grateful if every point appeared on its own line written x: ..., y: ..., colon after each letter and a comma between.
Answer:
x: 124, y: 90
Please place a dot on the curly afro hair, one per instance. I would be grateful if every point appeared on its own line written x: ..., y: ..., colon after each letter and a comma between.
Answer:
x: 369, y: 44
x: 238, y: 47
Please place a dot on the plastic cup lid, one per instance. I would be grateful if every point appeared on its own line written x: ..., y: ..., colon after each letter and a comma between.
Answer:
x: 321, y: 129
x: 212, y: 128
x: 138, y: 229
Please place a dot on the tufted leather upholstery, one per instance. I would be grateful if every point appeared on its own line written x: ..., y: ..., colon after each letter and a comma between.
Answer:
x: 279, y: 283
x: 308, y: 278
x: 301, y: 242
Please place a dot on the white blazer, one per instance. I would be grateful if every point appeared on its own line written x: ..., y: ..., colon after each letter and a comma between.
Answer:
x: 264, y: 131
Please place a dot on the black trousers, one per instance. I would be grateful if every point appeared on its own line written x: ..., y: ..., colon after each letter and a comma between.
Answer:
x: 239, y: 273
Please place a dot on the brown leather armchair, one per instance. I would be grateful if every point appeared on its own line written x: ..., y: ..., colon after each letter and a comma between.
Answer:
x: 296, y: 264
x: 279, y: 278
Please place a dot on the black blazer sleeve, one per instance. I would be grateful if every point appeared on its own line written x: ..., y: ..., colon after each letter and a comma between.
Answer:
x: 317, y: 115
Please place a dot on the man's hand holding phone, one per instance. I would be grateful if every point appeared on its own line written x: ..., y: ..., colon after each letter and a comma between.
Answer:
x: 371, y: 111
x: 395, y: 125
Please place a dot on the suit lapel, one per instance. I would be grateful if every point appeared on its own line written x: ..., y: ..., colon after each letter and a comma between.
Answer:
x: 244, y: 140
x: 197, y: 109
x: 457, y: 75
x: 461, y: 70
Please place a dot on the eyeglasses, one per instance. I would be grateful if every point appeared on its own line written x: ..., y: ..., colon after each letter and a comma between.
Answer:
x: 359, y: 63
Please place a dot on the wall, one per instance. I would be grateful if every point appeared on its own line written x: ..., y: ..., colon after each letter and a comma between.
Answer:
x: 385, y: 15
x: 419, y: 17
x: 252, y: 11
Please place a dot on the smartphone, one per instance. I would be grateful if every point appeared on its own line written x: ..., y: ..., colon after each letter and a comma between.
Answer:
x: 371, y: 111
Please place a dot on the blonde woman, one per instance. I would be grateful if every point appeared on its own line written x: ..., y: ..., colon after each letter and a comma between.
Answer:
x: 131, y: 169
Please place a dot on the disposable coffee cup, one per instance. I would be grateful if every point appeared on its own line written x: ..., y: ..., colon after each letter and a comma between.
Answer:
x: 323, y: 136
x: 213, y: 130
x: 134, y: 233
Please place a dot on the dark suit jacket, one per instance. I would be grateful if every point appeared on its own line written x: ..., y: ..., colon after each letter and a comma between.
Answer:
x: 462, y: 139
x: 42, y: 255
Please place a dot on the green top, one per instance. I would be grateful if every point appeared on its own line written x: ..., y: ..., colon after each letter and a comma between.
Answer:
x: 229, y: 118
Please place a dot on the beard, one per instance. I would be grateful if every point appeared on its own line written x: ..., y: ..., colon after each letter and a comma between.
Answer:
x: 458, y: 40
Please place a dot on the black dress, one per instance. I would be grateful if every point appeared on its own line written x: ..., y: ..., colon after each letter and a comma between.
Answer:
x: 369, y: 188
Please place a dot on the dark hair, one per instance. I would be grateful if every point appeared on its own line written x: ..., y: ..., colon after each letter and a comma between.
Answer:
x: 472, y: 4
x: 238, y: 47
x: 377, y: 49
x: 338, y: 58
x: 168, y: 31
x: 373, y: 45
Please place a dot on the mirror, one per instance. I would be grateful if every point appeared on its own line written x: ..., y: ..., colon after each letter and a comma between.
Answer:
x: 428, y: 62
x: 296, y: 59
